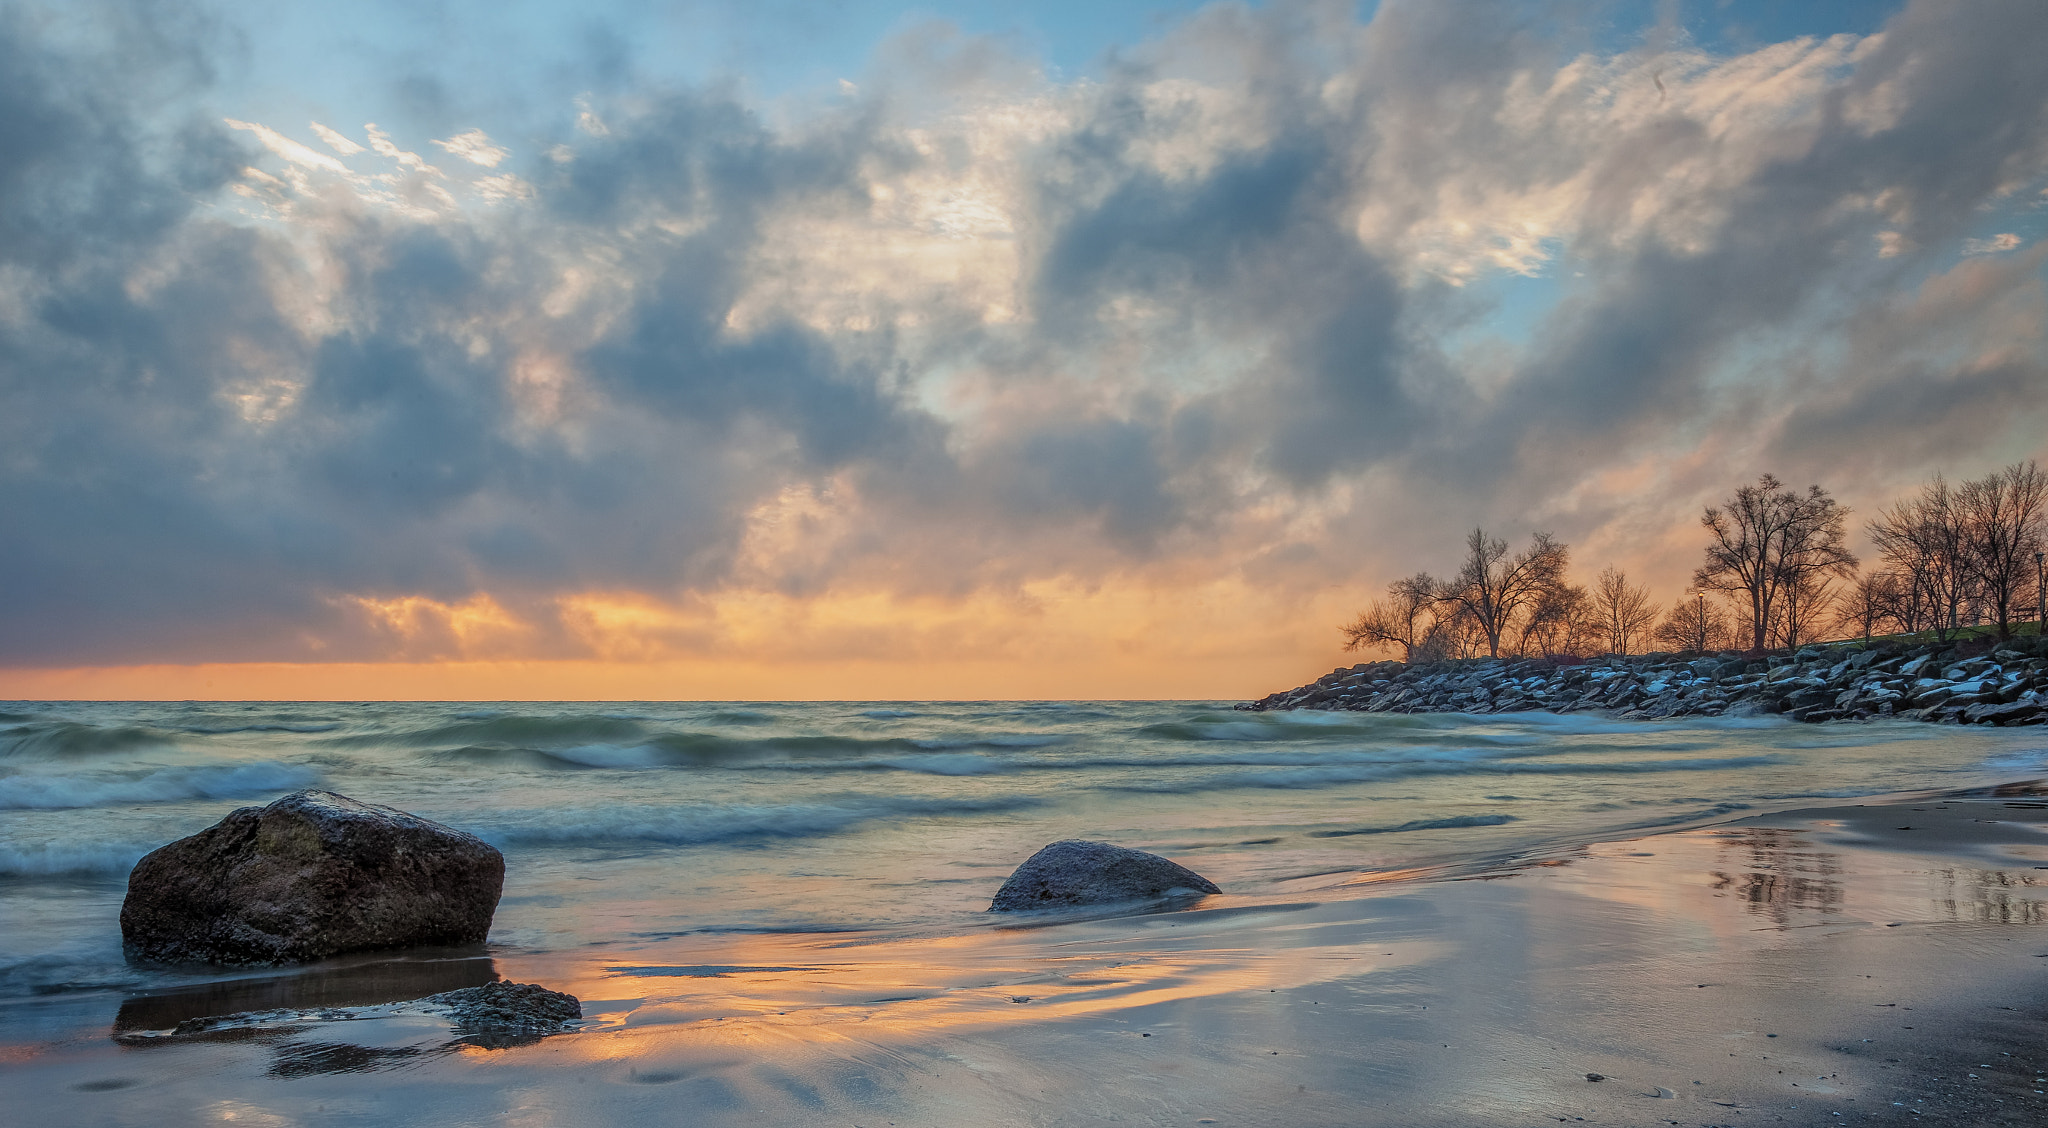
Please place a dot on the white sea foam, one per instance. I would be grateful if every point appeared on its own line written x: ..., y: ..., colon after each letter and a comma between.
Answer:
x: 165, y: 785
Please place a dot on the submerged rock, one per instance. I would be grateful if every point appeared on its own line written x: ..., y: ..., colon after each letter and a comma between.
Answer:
x: 312, y: 875
x: 1075, y: 872
x: 508, y: 1008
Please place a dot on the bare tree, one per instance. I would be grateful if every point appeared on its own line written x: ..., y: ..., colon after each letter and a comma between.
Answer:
x: 1561, y: 623
x: 1453, y: 635
x: 2001, y: 517
x: 1767, y: 538
x: 1805, y: 602
x: 1695, y: 624
x: 1495, y: 589
x: 1405, y: 618
x: 1925, y: 540
x: 1873, y: 602
x: 1623, y: 610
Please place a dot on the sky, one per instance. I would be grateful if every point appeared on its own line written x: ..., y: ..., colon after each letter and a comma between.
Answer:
x: 709, y: 350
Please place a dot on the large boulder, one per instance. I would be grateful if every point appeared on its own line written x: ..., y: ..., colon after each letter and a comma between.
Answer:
x: 312, y: 875
x: 1074, y: 872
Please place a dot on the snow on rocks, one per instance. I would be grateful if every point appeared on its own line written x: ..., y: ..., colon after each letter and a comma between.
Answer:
x: 1937, y: 682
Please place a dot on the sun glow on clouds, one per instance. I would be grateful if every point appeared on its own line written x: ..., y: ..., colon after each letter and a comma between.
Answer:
x: 996, y: 385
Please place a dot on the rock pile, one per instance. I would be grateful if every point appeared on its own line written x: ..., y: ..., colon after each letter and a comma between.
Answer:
x: 1841, y: 681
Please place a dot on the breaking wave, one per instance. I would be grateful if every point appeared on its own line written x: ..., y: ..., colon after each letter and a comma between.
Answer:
x: 64, y: 739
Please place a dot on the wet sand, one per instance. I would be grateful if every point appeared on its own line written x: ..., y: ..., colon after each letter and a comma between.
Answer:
x: 1877, y: 963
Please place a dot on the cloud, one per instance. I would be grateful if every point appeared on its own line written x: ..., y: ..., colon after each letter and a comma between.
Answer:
x: 475, y: 147
x: 336, y: 141
x: 1995, y: 245
x: 287, y: 148
x: 1281, y: 302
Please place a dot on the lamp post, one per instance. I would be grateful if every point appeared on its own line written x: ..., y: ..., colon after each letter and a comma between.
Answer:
x: 1702, y: 596
x: 2040, y: 593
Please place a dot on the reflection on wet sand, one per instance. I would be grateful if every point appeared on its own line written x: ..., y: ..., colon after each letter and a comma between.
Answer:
x: 911, y: 988
x: 354, y: 1015
x: 1780, y: 873
x: 348, y: 982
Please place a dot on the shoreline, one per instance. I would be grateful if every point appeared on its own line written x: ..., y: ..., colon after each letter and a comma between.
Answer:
x: 1685, y: 967
x: 1953, y: 683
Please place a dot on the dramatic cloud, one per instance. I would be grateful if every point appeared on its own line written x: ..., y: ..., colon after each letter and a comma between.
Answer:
x: 1260, y: 318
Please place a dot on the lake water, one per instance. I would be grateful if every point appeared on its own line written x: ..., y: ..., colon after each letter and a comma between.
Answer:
x: 634, y: 824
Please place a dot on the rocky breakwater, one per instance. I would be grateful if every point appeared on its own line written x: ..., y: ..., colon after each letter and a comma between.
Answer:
x: 2006, y: 684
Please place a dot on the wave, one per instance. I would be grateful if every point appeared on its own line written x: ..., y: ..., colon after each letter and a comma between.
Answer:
x: 887, y: 714
x: 950, y: 764
x: 1451, y: 823
x: 973, y: 763
x: 1297, y: 726
x: 60, y: 859
x: 696, y: 824
x: 1292, y: 726
x: 1584, y: 724
x: 512, y: 729
x: 206, y: 730
x: 994, y: 740
x: 1712, y: 811
x: 168, y: 785
x: 1363, y: 773
x: 59, y: 739
x: 712, y: 750
x: 54, y: 974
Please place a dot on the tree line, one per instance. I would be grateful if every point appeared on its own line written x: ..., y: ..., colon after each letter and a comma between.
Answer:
x: 1777, y: 573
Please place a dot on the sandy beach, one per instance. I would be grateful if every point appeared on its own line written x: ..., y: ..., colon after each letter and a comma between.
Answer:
x: 1879, y: 962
